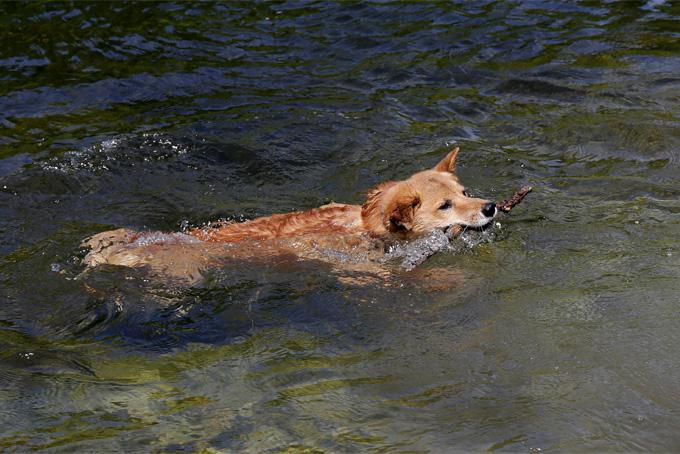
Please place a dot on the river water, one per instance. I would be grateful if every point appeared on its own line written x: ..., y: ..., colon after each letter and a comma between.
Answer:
x: 562, y: 334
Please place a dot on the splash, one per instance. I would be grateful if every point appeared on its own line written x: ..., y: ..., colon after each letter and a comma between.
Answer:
x: 123, y: 151
x: 150, y: 238
x: 416, y: 252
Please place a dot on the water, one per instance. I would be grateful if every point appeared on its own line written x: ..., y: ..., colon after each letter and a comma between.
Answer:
x: 561, y: 334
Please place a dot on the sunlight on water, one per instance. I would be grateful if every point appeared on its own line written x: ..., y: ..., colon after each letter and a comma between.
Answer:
x: 555, y: 329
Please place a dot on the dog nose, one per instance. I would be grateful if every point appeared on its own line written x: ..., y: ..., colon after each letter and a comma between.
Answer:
x: 489, y: 210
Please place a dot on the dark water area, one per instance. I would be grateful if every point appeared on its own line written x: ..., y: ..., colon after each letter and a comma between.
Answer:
x: 560, y: 335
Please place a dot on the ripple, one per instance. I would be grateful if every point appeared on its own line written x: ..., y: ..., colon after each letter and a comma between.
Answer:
x: 557, y: 330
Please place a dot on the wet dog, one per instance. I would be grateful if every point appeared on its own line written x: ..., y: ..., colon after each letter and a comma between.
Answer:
x: 394, y: 211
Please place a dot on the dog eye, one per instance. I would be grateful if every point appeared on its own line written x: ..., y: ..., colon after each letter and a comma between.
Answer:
x: 466, y: 194
x: 446, y: 205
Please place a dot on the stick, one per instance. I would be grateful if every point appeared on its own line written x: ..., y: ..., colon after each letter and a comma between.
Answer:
x: 517, y: 197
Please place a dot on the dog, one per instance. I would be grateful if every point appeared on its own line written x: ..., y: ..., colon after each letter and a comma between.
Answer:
x: 354, y: 236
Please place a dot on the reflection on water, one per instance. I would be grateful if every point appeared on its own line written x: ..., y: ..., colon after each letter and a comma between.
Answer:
x: 559, y: 333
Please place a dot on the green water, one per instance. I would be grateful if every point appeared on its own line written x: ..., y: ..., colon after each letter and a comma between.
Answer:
x: 560, y: 335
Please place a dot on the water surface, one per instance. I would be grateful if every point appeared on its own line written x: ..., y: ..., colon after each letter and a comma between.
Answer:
x: 560, y: 335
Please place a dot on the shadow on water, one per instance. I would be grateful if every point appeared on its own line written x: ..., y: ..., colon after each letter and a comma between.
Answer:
x: 559, y: 334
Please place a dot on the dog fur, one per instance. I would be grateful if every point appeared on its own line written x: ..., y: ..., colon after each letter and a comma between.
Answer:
x: 393, y: 211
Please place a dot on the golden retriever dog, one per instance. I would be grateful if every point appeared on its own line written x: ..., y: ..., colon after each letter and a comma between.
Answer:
x: 354, y: 236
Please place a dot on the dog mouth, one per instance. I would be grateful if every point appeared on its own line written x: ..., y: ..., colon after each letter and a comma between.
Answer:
x: 466, y: 227
x: 483, y: 221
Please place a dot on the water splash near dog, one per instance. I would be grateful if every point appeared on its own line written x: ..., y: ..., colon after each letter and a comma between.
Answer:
x: 416, y: 252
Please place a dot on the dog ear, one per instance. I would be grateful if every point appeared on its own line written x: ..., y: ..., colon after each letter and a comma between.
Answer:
x: 448, y: 164
x: 374, y: 194
x: 372, y: 209
x: 400, y: 212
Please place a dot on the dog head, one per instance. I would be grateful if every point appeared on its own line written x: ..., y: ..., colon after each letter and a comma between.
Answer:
x: 429, y: 200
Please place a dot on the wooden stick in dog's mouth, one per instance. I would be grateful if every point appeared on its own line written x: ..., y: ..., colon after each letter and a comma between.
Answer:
x: 517, y: 197
x: 504, y: 206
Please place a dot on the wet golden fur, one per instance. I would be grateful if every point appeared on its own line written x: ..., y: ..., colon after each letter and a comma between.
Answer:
x: 394, y: 210
x: 403, y: 209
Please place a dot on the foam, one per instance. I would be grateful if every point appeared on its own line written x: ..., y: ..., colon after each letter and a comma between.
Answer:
x: 147, y: 239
